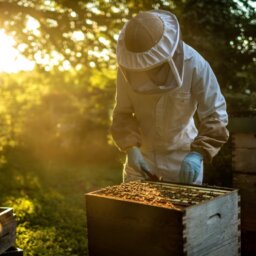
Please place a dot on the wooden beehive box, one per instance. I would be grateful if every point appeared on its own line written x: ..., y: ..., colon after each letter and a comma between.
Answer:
x: 7, y: 228
x: 244, y: 168
x: 244, y: 177
x: 148, y: 218
x: 13, y: 251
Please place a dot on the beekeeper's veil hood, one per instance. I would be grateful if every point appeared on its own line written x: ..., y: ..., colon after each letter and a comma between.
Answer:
x: 147, y: 42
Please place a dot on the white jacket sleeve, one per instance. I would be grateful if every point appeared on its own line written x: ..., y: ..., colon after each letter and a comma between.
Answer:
x: 124, y: 127
x: 211, y: 111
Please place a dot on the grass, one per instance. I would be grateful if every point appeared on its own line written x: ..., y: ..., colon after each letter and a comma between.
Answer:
x: 49, y: 204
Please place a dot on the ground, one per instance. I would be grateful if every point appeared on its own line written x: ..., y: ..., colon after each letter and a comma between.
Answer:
x: 49, y: 203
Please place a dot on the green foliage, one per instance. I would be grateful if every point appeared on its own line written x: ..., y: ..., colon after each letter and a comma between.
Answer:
x: 19, y: 94
x: 49, y: 203
x: 222, y: 31
x: 64, y: 116
x: 83, y: 34
x: 58, y: 116
x: 241, y: 104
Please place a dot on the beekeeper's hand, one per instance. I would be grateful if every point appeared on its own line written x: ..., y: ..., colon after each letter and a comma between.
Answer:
x: 136, y: 159
x: 190, y: 167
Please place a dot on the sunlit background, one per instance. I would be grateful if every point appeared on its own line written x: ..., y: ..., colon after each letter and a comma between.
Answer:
x: 11, y: 59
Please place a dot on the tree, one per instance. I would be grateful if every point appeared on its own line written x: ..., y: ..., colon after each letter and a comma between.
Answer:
x: 224, y: 32
x: 80, y: 38
x: 80, y: 31
x: 19, y: 94
x: 85, y: 32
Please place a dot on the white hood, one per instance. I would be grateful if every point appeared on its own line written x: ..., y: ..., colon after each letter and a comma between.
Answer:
x: 163, y: 51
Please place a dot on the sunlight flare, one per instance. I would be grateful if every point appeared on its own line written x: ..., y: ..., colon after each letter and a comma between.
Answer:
x: 11, y: 61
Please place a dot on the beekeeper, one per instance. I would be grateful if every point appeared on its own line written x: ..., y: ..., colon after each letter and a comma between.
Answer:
x: 161, y: 83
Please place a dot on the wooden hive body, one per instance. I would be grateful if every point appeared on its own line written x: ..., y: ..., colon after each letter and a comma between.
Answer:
x: 244, y: 176
x: 124, y: 227
x: 13, y: 251
x: 7, y: 229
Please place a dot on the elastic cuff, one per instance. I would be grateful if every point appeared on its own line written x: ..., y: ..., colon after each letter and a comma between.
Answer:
x: 131, y: 146
x: 205, y: 155
x: 194, y: 152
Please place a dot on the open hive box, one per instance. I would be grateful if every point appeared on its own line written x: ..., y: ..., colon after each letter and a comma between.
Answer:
x: 152, y: 218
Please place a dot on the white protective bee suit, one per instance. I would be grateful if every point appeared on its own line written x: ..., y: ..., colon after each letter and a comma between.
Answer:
x: 158, y: 118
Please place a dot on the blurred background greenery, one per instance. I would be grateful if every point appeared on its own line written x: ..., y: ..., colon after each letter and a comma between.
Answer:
x: 56, y: 102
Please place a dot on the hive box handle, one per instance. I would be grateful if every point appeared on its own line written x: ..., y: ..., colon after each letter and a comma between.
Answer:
x: 213, y: 218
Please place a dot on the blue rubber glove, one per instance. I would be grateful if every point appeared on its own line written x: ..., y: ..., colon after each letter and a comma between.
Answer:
x: 190, y: 167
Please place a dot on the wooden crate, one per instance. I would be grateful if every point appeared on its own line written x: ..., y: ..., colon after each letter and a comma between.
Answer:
x: 244, y: 153
x: 244, y: 176
x: 247, y: 186
x: 13, y: 251
x: 124, y: 226
x: 7, y: 228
